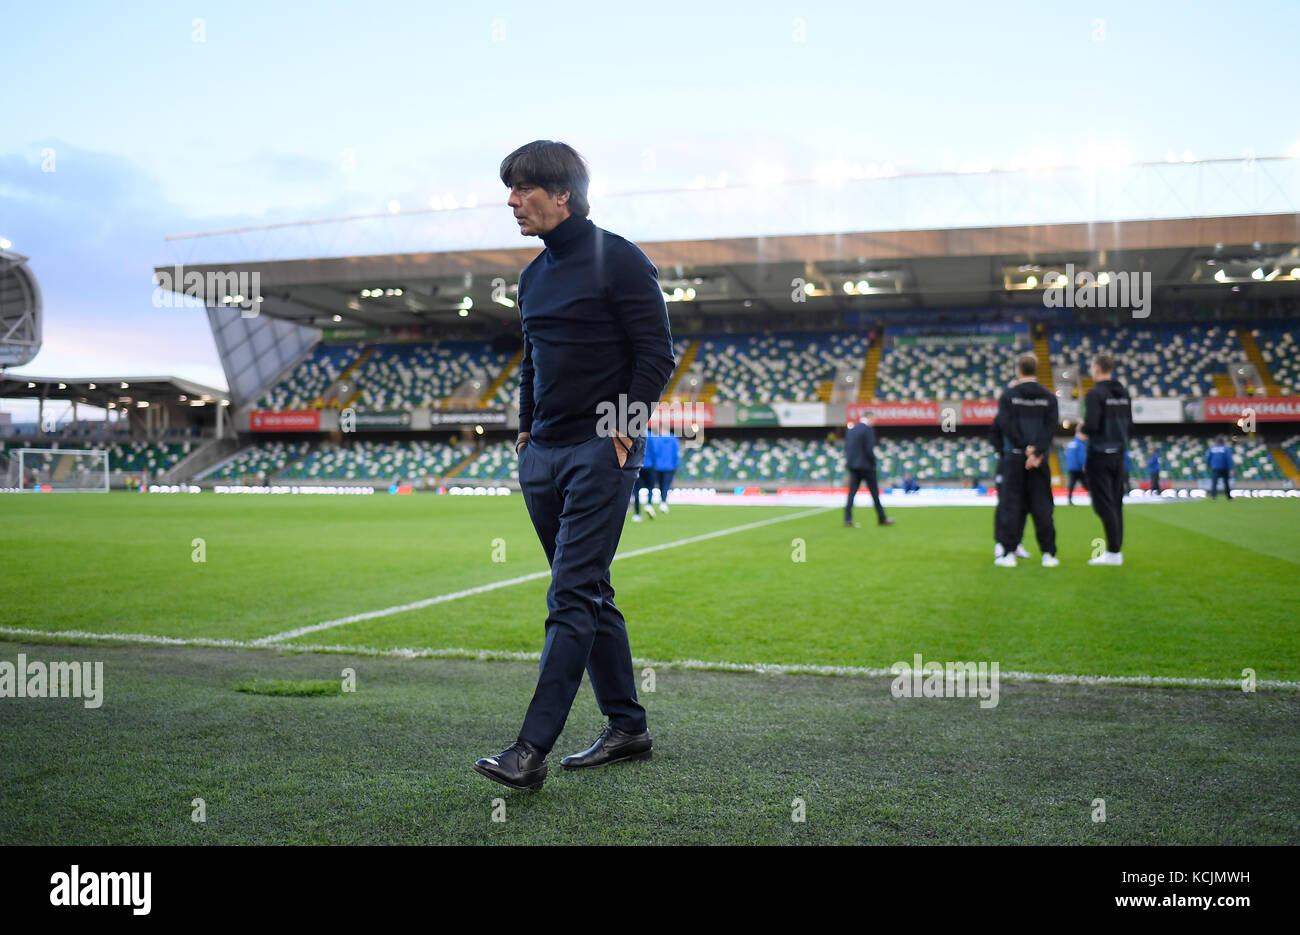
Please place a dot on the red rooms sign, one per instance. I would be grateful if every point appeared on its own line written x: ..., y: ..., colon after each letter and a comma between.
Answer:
x: 1262, y: 408
x: 300, y: 420
x: 915, y: 413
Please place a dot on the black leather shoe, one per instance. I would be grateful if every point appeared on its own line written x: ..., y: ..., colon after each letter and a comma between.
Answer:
x: 519, y: 766
x: 612, y: 746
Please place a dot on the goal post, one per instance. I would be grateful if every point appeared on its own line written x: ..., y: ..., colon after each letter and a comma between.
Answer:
x: 60, y: 469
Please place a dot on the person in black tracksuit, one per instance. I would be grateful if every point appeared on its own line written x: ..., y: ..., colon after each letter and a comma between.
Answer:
x: 860, y: 452
x: 1022, y: 432
x: 1108, y: 414
x: 1000, y: 508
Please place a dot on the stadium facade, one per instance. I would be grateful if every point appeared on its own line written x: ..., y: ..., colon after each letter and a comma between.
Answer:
x: 401, y: 367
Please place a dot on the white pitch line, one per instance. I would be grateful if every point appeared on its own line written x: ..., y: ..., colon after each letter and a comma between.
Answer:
x: 483, y: 588
x: 756, y: 668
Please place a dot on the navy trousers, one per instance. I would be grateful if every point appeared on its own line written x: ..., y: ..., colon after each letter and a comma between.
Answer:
x: 577, y: 499
x: 856, y: 480
x: 665, y: 483
x: 647, y: 480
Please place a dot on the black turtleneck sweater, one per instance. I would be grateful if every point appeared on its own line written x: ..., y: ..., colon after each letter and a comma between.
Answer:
x: 595, y: 326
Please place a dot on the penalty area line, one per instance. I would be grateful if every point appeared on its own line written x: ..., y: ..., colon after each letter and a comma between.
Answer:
x: 698, y: 665
x: 508, y: 582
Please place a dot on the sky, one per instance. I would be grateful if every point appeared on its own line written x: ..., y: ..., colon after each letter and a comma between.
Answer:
x: 126, y: 123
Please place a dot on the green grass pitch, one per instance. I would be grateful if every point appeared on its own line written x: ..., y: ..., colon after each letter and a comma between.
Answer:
x: 1208, y: 589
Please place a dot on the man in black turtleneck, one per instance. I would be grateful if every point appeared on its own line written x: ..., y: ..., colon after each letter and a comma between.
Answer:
x: 597, y: 356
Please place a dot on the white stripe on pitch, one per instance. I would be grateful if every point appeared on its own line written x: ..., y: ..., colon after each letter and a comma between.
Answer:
x: 483, y: 588
x: 1055, y: 678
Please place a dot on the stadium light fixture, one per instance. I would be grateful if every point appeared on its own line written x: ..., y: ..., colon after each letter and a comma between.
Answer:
x: 1031, y: 282
x: 31, y: 386
x: 194, y: 403
x: 125, y: 386
x: 142, y: 404
x: 849, y: 288
x: 4, y: 244
x: 225, y: 402
x: 1221, y: 276
x: 464, y: 313
x: 504, y: 300
x: 1258, y: 273
x: 1295, y: 272
x: 90, y: 386
x: 1103, y: 278
x: 338, y: 318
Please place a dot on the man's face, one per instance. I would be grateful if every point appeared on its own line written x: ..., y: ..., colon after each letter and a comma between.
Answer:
x: 536, y: 210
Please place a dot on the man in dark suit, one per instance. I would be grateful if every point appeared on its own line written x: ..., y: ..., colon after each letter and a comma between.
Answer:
x: 860, y: 451
x: 597, y: 356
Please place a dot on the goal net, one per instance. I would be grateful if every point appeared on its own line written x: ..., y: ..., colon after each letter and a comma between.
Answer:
x: 59, y: 469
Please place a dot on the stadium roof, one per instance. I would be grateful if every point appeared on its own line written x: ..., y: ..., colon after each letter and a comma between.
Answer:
x: 20, y: 310
x: 100, y: 391
x: 867, y: 198
x: 902, y: 268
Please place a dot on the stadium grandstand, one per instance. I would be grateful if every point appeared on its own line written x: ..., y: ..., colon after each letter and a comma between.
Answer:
x: 404, y: 368
x: 148, y: 427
